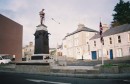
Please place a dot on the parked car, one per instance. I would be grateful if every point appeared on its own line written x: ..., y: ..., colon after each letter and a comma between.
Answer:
x: 4, y: 61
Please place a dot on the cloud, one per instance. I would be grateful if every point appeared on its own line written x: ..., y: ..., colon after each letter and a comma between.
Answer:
x: 17, y: 5
x: 68, y: 12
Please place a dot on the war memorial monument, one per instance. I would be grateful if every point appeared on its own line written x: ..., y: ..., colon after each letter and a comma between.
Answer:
x: 41, y: 50
x: 41, y: 60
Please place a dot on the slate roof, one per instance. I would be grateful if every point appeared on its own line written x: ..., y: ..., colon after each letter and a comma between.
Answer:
x: 82, y: 29
x: 112, y: 31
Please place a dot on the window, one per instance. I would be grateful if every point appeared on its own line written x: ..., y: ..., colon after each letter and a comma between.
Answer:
x: 76, y: 35
x: 87, y: 34
x: 129, y: 37
x: 65, y: 46
x: 129, y: 49
x: 77, y: 51
x: 0, y: 58
x: 76, y: 42
x: 102, y: 41
x: 119, y: 39
x: 70, y: 43
x: 110, y: 40
x: 94, y: 43
x: 107, y: 52
x: 88, y: 46
x: 100, y: 53
x: 119, y: 52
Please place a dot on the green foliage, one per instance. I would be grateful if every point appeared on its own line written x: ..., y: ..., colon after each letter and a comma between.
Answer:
x: 122, y: 13
x: 108, y: 65
x: 124, y: 65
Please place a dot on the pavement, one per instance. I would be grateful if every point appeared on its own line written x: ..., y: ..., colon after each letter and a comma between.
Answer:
x: 88, y: 76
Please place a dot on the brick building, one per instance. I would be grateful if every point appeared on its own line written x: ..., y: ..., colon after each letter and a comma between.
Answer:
x: 11, y: 37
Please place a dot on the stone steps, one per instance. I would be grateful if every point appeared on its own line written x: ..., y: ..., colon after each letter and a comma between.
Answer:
x: 93, y: 63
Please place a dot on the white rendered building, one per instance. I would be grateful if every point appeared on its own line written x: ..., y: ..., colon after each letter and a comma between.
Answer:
x: 116, y: 43
x: 28, y: 51
x: 76, y: 44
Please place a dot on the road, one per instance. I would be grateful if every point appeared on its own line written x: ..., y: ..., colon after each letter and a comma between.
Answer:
x: 20, y: 78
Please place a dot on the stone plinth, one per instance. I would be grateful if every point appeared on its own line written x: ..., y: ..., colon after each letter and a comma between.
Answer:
x: 33, y: 67
x: 41, y: 40
x: 43, y: 58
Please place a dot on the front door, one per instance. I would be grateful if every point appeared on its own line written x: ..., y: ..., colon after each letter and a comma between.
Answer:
x: 111, y: 54
x: 94, y: 55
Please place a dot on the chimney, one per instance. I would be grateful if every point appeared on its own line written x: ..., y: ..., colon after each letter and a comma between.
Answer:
x: 67, y: 33
x: 105, y: 27
x: 80, y: 26
x: 30, y: 43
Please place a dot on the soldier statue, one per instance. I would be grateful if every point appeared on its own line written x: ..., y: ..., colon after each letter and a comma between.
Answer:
x: 42, y: 16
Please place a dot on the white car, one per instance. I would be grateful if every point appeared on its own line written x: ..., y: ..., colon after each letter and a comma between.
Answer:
x: 4, y: 61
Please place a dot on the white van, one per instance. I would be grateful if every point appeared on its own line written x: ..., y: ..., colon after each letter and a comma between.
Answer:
x: 4, y: 61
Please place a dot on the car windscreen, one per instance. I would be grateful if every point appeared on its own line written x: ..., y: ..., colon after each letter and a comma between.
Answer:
x: 6, y: 57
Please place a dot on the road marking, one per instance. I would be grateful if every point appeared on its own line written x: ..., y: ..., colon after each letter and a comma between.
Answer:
x: 34, y: 80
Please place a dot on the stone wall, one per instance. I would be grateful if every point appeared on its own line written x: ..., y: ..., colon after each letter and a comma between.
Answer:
x: 33, y: 67
x: 114, y: 70
x: 75, y: 71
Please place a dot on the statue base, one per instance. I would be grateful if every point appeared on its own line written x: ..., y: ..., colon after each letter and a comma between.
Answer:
x: 41, y: 40
x: 44, y: 58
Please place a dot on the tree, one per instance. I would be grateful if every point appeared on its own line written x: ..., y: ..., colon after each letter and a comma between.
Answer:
x: 122, y: 13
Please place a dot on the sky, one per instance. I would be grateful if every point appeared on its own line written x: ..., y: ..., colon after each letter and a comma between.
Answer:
x: 69, y: 13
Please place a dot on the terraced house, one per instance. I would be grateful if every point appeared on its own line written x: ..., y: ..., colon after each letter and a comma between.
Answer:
x: 116, y: 43
x: 84, y: 43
